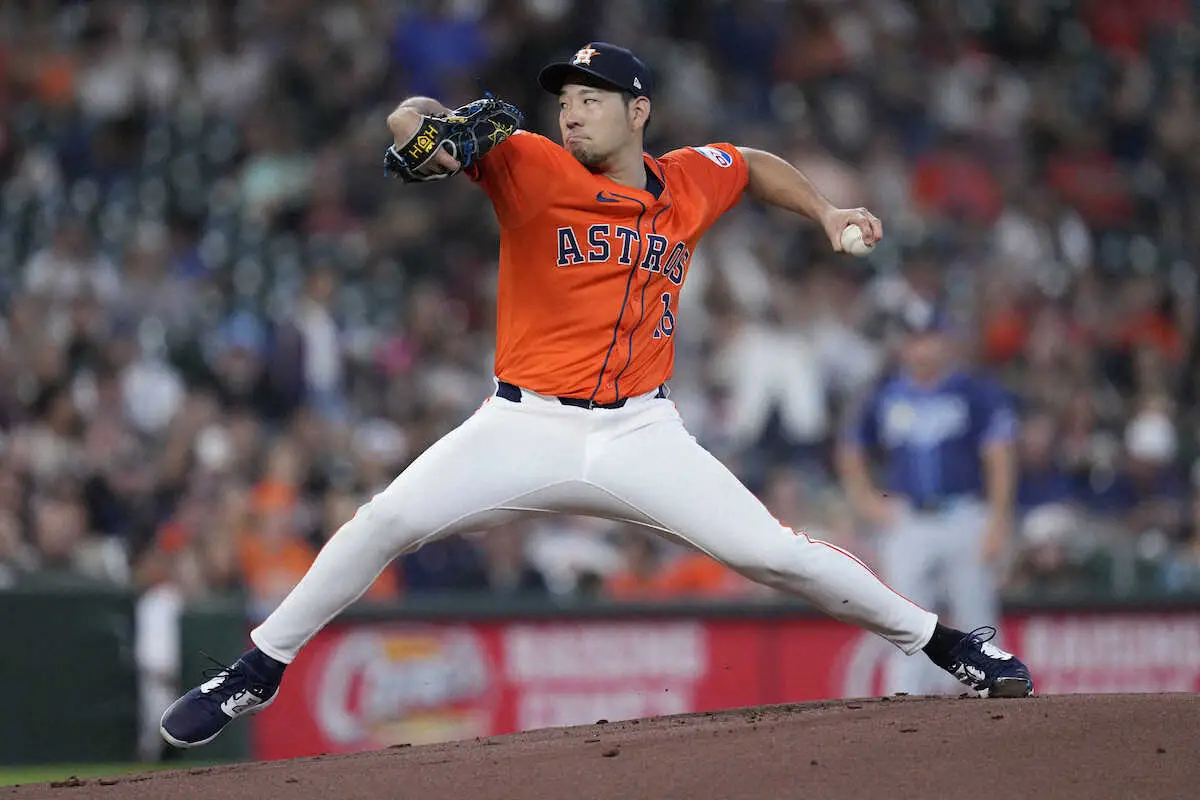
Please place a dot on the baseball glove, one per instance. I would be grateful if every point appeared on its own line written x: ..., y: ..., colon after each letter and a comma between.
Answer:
x: 467, y: 134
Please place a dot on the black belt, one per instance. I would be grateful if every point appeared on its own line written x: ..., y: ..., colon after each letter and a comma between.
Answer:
x: 510, y: 391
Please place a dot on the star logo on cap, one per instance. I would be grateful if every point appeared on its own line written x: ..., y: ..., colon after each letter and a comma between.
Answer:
x: 584, y: 56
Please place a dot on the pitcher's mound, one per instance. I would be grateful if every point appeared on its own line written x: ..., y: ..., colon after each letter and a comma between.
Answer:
x: 1090, y: 747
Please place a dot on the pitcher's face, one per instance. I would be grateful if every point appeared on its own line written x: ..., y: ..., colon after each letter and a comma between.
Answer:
x: 598, y: 124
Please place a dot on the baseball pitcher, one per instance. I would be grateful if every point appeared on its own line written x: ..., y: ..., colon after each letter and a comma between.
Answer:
x: 596, y: 237
x: 944, y: 520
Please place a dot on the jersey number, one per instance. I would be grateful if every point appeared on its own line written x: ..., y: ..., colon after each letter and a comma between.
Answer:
x: 666, y: 325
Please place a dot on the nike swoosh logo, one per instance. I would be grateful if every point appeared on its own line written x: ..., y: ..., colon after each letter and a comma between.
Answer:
x: 606, y: 199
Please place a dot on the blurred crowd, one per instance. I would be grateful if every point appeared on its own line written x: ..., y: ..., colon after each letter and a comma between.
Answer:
x: 223, y: 328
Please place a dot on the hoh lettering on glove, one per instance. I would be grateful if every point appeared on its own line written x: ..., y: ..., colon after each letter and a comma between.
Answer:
x: 440, y: 146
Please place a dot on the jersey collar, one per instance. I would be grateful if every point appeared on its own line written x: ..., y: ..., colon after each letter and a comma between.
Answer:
x: 653, y: 172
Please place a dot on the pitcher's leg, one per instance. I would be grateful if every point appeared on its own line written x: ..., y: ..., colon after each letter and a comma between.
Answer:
x: 478, y: 476
x: 501, y: 463
x: 674, y: 485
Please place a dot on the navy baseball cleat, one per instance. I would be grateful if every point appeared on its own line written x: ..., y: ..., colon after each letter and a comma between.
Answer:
x: 246, y: 687
x: 986, y: 668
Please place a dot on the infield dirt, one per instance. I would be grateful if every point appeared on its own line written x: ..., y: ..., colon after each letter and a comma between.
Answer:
x: 1064, y: 747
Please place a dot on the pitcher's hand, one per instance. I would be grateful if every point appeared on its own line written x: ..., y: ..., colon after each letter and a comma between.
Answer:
x: 835, y: 220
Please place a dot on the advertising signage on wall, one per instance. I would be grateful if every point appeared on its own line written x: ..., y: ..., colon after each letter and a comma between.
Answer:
x: 363, y: 686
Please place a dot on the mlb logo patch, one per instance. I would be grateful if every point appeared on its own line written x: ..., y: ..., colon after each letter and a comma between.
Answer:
x: 715, y: 155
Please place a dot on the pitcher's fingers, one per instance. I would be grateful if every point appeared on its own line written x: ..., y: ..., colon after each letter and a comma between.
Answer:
x: 447, y: 162
x: 876, y: 227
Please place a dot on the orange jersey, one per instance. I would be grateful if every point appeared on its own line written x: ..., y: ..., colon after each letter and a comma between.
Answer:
x: 590, y: 269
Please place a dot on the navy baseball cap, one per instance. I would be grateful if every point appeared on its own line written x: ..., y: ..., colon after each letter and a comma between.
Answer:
x: 611, y: 66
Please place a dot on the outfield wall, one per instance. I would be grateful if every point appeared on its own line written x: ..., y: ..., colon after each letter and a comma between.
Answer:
x: 464, y: 667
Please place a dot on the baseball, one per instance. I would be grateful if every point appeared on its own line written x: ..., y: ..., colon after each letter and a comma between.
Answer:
x: 852, y: 241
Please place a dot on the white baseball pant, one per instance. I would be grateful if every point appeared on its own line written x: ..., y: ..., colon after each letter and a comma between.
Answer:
x: 636, y: 464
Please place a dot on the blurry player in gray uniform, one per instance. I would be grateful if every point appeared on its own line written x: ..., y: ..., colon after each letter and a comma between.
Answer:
x: 944, y: 514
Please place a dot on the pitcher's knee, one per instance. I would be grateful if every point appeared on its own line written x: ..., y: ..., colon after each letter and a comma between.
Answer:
x: 779, y: 566
x: 768, y: 575
x: 383, y: 522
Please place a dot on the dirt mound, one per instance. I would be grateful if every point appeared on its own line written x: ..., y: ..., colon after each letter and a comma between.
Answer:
x: 1091, y: 747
